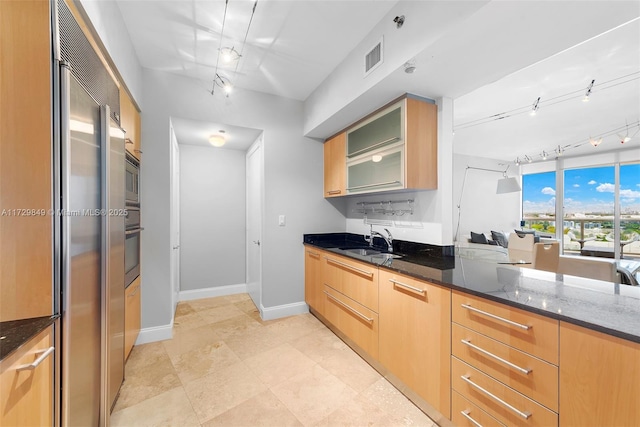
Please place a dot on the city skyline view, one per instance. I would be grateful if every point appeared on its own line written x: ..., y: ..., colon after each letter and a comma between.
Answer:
x: 586, y: 191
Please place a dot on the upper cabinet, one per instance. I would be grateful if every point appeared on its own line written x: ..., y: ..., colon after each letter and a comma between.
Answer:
x: 25, y: 160
x: 395, y: 148
x: 130, y: 122
x: 334, y: 166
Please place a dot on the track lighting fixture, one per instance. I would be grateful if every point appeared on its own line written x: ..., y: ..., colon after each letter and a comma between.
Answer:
x: 517, y: 162
x: 229, y: 54
x: 534, y: 110
x: 223, y: 83
x: 626, y: 137
x: 595, y: 142
x: 559, y: 151
x: 544, y: 155
x: 586, y: 95
x: 528, y: 159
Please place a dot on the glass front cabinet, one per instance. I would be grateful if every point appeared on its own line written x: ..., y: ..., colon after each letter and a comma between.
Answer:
x: 395, y: 148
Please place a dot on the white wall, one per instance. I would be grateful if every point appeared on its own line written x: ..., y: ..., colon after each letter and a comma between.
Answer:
x: 212, y: 217
x: 293, y: 185
x: 481, y: 209
x: 107, y: 20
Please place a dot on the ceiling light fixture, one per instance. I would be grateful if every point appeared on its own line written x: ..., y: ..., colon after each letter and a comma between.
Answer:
x: 244, y: 42
x: 409, y: 67
x: 595, y: 142
x: 586, y: 95
x: 229, y: 54
x: 626, y: 137
x: 223, y: 83
x: 376, y: 158
x: 528, y: 159
x: 559, y: 151
x: 517, y: 162
x: 399, y: 20
x: 217, y: 140
x: 218, y: 80
x: 544, y: 155
x: 534, y: 110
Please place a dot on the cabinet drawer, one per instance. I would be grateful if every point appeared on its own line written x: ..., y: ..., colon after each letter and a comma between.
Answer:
x: 131, y: 316
x: 354, y: 320
x: 500, y: 401
x: 529, y: 375
x: 358, y: 281
x: 27, y: 394
x: 529, y: 332
x: 466, y: 414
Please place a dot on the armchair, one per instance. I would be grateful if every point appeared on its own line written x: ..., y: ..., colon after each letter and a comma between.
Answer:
x: 581, y: 240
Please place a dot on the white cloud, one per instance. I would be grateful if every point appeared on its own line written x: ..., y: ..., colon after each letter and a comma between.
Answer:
x: 548, y: 191
x: 576, y: 185
x: 629, y: 194
x: 606, y: 188
x: 592, y: 182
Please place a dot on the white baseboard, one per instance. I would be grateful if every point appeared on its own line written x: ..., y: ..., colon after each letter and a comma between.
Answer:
x: 216, y: 291
x: 155, y: 333
x: 270, y: 313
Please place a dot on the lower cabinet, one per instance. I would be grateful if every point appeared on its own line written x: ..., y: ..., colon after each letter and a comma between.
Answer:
x: 131, y: 316
x: 313, y: 285
x: 353, y: 319
x: 26, y: 383
x: 466, y: 414
x: 415, y: 339
x: 599, y: 379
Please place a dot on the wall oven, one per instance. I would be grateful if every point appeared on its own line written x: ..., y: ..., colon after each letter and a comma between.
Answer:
x: 132, y: 244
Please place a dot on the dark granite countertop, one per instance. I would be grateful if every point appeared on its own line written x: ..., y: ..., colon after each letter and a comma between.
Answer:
x: 594, y: 304
x: 15, y: 333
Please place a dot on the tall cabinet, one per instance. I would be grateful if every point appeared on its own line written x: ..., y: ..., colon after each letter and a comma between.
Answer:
x: 25, y: 161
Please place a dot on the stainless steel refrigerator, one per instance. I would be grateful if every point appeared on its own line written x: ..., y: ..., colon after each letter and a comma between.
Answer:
x: 92, y: 248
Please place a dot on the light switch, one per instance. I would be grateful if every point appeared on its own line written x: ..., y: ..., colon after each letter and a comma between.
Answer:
x: 281, y: 220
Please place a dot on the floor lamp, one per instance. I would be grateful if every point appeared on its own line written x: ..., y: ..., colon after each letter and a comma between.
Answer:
x: 505, y: 185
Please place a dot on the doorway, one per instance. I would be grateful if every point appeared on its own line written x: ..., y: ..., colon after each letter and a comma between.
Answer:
x: 254, y: 222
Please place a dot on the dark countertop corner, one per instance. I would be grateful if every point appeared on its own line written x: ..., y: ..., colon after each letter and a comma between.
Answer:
x: 15, y: 333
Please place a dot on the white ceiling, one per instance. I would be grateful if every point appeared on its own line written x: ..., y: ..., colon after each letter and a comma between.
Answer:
x: 501, y: 58
x: 196, y: 132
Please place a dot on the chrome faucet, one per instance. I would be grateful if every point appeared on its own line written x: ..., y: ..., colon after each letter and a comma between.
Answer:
x: 388, y: 239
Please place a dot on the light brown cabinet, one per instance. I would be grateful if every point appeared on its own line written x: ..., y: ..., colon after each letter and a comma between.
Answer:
x: 131, y: 316
x: 334, y: 166
x: 415, y: 317
x: 130, y: 122
x: 26, y: 383
x: 25, y: 160
x: 505, y: 361
x: 357, y: 280
x: 313, y: 286
x: 599, y: 379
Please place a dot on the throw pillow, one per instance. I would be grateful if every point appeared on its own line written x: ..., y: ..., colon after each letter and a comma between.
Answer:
x: 500, y: 238
x: 478, y: 238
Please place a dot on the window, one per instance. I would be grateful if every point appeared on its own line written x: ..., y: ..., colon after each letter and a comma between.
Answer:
x: 539, y: 202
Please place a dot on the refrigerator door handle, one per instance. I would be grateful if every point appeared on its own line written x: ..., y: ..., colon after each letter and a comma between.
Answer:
x: 65, y: 158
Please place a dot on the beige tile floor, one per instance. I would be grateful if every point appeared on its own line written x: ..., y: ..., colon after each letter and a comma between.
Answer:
x: 227, y: 367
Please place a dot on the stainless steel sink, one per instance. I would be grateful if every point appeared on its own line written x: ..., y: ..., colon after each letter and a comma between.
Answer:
x: 365, y: 252
x: 386, y: 257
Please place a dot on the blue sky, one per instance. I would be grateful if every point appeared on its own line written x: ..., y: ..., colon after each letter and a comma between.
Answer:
x: 586, y: 190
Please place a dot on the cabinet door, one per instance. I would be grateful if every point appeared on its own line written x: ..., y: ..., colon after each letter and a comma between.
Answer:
x: 415, y: 337
x: 131, y: 316
x: 334, y: 166
x: 130, y: 122
x: 25, y: 160
x: 26, y: 395
x: 599, y: 379
x: 313, y: 280
x: 421, y: 146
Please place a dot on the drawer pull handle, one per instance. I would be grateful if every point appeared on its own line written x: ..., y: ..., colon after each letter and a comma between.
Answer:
x: 493, y: 316
x: 467, y: 416
x: 358, y: 270
x: 524, y: 415
x: 409, y: 287
x: 498, y: 358
x: 39, y: 360
x: 334, y: 191
x: 348, y: 307
x: 313, y: 254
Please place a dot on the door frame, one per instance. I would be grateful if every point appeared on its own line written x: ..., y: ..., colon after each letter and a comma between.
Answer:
x: 258, y: 145
x: 174, y: 220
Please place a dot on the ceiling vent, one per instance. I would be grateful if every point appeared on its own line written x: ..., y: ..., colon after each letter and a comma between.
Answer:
x: 373, y: 58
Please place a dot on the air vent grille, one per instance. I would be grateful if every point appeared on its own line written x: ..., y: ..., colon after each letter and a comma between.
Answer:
x: 86, y: 66
x: 373, y: 58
